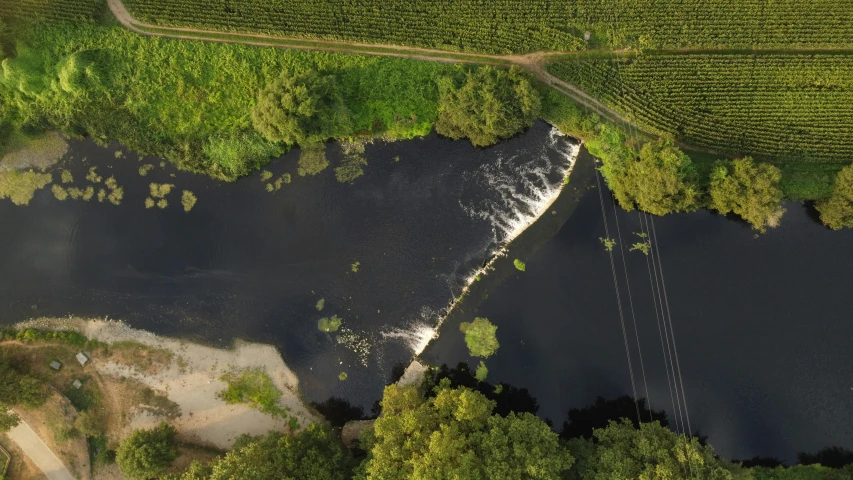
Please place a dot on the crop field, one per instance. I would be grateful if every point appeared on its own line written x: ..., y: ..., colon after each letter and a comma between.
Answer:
x: 516, y: 26
x: 785, y: 107
x: 50, y: 10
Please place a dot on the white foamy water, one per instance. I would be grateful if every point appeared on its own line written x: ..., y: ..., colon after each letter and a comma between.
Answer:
x: 523, y: 187
x: 417, y: 336
x: 526, y: 184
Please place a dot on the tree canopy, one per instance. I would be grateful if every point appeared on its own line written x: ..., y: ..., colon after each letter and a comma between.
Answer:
x: 314, y: 453
x: 16, y: 388
x: 301, y: 109
x: 147, y: 453
x: 491, y: 104
x: 456, y: 435
x: 749, y: 189
x: 661, y: 180
x: 836, y: 212
x: 651, y: 452
x: 480, y: 336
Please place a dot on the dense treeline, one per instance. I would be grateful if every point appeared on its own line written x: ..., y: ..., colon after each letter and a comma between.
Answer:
x: 785, y: 107
x: 225, y: 110
x: 450, y: 431
x: 506, y: 26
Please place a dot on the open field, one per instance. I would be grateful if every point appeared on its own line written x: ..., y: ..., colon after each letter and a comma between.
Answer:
x: 779, y: 107
x: 518, y: 26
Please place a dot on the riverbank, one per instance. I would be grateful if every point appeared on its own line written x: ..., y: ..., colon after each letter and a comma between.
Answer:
x: 184, y: 379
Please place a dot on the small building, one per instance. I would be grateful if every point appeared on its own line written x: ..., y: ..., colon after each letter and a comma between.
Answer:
x: 77, y: 384
x: 56, y: 365
x: 82, y: 358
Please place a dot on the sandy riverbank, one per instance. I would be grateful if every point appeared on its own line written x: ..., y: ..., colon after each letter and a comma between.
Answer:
x: 192, y: 380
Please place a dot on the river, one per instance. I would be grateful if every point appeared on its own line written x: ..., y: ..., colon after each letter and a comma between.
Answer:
x: 761, y: 323
x: 250, y: 264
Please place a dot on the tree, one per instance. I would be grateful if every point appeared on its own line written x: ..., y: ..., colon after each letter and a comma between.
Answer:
x: 147, y: 453
x: 301, y: 109
x: 835, y: 457
x: 17, y: 388
x: 582, y: 422
x: 652, y: 451
x: 315, y: 453
x: 480, y: 337
x: 490, y: 105
x: 836, y: 212
x: 456, y: 435
x: 662, y: 180
x: 748, y: 189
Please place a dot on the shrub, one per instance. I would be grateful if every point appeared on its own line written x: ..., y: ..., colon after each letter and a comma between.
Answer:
x: 252, y: 386
x: 836, y: 212
x: 147, y: 453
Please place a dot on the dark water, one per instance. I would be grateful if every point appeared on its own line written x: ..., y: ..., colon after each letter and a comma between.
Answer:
x: 251, y: 264
x: 763, y: 327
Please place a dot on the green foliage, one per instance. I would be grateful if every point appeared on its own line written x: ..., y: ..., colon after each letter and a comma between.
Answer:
x: 748, y: 189
x: 188, y: 200
x: 781, y: 106
x: 315, y: 453
x: 662, y: 180
x: 608, y: 243
x: 252, y: 386
x: 88, y: 424
x: 266, y: 175
x: 343, y: 376
x: 482, y: 372
x: 519, y: 265
x: 147, y: 453
x: 354, y: 267
x: 312, y: 159
x: 480, y: 336
x: 652, y: 451
x: 20, y: 187
x: 455, y: 435
x: 320, y: 304
x: 837, y: 211
x: 17, y: 388
x: 491, y: 104
x: 239, y: 154
x: 192, y: 102
x: 301, y: 109
x: 330, y: 324
x: 800, y: 472
x: 69, y: 337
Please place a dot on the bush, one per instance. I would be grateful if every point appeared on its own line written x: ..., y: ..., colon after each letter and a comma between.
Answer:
x: 748, y: 189
x: 836, y: 212
x: 301, y: 109
x: 490, y: 105
x: 480, y: 337
x: 255, y: 388
x: 147, y: 453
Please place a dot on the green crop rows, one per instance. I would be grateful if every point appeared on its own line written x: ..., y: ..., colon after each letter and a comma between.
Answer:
x: 50, y: 10
x: 794, y: 107
x: 505, y: 26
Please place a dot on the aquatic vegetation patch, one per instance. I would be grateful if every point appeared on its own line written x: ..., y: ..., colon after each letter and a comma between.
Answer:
x: 608, y: 243
x: 58, y: 192
x: 320, y: 304
x: 354, y: 267
x: 312, y: 160
x: 93, y: 176
x: 66, y: 176
x: 329, y: 324
x: 519, y: 265
x: 144, y: 169
x: 188, y: 200
x: 266, y: 175
x: 20, y: 187
x: 342, y: 376
x: 352, y: 162
x: 356, y: 343
x: 25, y: 151
x: 480, y: 336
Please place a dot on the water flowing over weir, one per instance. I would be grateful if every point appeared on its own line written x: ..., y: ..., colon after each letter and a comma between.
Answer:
x: 524, y: 185
x: 388, y: 254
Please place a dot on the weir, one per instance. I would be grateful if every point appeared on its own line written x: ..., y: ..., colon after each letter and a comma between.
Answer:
x: 526, y: 186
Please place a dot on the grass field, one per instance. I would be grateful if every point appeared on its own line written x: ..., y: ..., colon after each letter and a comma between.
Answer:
x: 507, y: 26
